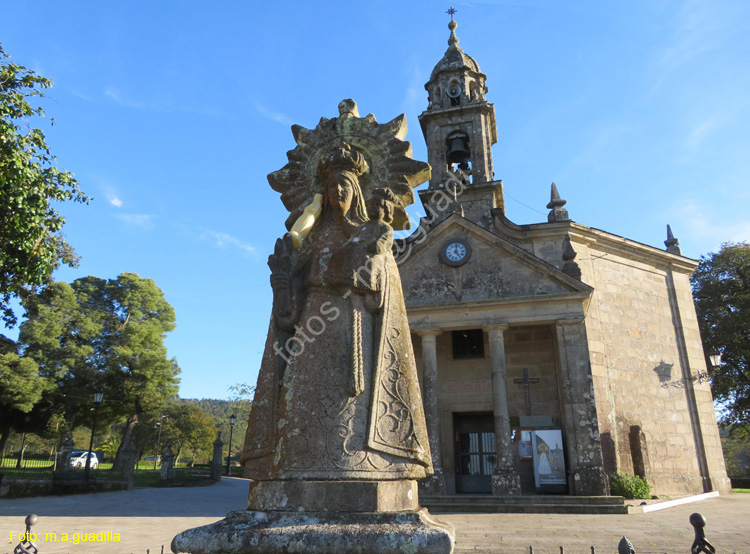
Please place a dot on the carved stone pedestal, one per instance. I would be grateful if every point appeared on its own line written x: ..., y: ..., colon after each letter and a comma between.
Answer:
x: 324, y: 517
x: 276, y: 532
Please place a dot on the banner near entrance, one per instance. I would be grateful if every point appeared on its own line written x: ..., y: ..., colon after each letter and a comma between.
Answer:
x: 549, y: 461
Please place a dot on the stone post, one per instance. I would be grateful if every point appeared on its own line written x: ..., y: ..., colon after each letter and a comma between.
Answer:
x: 167, y: 466
x: 579, y: 411
x: 129, y: 455
x: 63, y: 455
x: 506, y: 480
x: 216, y: 460
x: 435, y: 485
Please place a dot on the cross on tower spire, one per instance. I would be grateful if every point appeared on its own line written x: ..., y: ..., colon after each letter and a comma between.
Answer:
x: 451, y: 11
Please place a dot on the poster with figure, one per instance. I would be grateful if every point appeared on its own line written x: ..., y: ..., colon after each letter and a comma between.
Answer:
x: 549, y: 459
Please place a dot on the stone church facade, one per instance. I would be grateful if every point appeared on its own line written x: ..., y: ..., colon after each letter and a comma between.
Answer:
x: 550, y: 354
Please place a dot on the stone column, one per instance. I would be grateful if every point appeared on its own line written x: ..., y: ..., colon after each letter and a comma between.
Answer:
x: 579, y: 410
x: 435, y: 485
x: 216, y: 460
x: 506, y: 480
x: 63, y: 455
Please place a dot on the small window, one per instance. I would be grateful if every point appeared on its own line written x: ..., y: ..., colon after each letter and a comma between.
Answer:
x: 468, y: 344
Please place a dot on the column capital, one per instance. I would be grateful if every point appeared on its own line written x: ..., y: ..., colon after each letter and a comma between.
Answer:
x: 490, y: 329
x: 428, y: 332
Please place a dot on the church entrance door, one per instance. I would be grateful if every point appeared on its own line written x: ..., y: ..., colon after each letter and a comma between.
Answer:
x: 474, y: 437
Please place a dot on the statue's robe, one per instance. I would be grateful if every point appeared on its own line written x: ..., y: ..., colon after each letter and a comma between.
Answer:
x: 345, y: 404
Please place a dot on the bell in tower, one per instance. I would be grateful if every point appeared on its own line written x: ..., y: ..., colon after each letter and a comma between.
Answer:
x: 459, y: 128
x: 458, y: 149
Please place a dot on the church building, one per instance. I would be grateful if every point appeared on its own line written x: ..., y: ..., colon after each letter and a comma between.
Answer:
x: 551, y: 354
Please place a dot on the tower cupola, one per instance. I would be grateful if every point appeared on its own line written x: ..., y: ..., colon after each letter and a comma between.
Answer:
x: 456, y: 79
x: 459, y: 128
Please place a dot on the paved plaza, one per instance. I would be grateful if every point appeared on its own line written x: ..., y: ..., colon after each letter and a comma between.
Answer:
x: 146, y: 519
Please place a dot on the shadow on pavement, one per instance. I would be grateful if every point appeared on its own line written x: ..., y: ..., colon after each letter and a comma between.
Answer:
x: 209, y: 501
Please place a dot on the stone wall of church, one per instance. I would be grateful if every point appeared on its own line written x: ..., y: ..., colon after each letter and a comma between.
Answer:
x: 655, y: 416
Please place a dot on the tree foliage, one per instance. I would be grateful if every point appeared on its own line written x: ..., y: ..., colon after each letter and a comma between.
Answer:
x: 98, y: 333
x: 190, y: 429
x: 221, y: 410
x: 721, y: 288
x: 31, y: 243
x: 736, y: 445
x: 21, y: 388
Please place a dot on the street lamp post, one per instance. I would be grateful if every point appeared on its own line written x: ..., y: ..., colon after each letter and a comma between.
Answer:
x: 98, y: 397
x: 232, y: 420
x: 158, y: 442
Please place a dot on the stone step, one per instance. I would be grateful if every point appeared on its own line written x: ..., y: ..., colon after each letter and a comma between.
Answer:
x: 526, y: 504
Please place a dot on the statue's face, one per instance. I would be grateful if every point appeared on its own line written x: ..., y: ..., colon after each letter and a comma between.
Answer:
x: 340, y: 194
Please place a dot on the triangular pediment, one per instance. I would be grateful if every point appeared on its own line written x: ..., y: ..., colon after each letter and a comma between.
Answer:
x: 493, y: 269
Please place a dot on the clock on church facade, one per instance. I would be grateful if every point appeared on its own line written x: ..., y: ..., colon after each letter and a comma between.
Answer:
x: 456, y: 252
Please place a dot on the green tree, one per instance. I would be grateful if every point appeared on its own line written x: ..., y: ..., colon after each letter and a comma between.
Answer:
x: 221, y: 410
x: 21, y: 388
x: 736, y: 445
x: 111, y: 446
x: 721, y: 288
x: 108, y: 334
x: 31, y: 243
x: 59, y: 337
x: 189, y: 428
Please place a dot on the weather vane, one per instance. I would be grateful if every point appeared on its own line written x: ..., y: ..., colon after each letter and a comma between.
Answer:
x: 451, y: 11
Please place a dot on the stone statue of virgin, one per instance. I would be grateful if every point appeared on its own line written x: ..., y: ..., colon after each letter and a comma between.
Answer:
x: 338, y: 394
x: 336, y: 438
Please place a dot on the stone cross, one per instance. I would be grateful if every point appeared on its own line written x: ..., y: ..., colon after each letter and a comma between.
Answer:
x: 526, y: 381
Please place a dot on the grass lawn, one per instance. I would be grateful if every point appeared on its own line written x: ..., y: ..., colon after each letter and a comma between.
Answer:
x: 148, y: 478
x: 740, y: 490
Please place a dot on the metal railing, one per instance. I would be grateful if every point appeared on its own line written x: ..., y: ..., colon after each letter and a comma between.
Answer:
x: 27, y: 466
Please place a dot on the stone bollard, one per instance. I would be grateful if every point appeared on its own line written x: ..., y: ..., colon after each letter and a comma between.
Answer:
x: 63, y: 455
x: 129, y: 455
x: 216, y: 460
x: 167, y: 466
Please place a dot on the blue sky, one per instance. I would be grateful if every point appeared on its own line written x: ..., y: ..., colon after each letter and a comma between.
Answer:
x: 171, y: 114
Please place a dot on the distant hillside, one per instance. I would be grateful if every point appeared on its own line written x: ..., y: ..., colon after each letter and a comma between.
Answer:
x: 220, y: 410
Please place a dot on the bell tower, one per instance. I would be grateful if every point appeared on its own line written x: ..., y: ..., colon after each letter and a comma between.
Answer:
x: 459, y: 128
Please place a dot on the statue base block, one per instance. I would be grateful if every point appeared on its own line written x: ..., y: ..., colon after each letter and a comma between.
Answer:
x: 333, y: 496
x: 276, y: 532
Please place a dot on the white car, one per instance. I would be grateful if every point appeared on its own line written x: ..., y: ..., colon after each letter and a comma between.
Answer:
x: 78, y: 459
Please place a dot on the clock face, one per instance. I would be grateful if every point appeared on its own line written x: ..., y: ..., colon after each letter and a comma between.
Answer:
x: 455, y: 251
